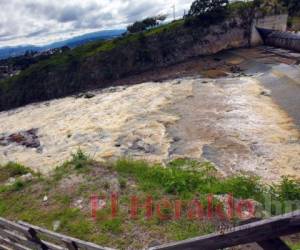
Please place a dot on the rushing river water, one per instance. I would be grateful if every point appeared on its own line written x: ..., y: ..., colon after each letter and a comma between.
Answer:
x: 231, y: 121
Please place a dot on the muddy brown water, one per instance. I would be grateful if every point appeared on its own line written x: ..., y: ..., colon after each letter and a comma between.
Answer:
x: 280, y: 73
x: 213, y: 110
x: 227, y: 122
x: 285, y: 90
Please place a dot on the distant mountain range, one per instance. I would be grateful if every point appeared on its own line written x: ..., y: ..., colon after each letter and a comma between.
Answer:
x: 11, y: 51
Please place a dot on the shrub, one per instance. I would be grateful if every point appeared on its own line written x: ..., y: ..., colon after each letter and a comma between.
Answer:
x: 288, y: 189
x: 79, y: 159
x: 145, y: 24
x: 243, y: 187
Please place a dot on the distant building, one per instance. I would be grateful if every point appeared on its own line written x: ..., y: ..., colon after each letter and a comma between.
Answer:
x: 4, y: 69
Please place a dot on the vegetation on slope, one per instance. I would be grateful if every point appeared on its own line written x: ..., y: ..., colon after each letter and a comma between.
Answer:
x: 68, y: 190
x: 293, y: 6
x: 98, y: 64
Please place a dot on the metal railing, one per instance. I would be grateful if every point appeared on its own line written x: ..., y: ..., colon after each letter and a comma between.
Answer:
x: 266, y: 233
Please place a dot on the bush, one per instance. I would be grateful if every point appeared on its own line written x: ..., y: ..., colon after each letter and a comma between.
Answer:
x: 79, y: 159
x: 287, y: 190
x: 243, y: 187
x: 240, y: 7
x: 147, y: 23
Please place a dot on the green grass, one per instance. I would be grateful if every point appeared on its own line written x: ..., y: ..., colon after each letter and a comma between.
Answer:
x: 181, y: 178
x: 12, y: 169
x: 165, y: 27
x: 16, y: 186
x: 185, y: 229
x: 293, y: 246
x: 79, y: 163
x: 288, y: 189
x: 186, y: 178
x: 113, y: 226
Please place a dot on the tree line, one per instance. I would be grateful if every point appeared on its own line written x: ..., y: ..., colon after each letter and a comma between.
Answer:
x: 213, y: 11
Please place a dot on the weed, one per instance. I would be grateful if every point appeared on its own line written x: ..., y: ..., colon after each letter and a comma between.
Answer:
x: 12, y: 169
x: 122, y: 183
x: 106, y: 185
x: 288, y: 189
x: 183, y: 229
x: 79, y: 159
x: 63, y: 199
x: 113, y: 226
x: 16, y: 186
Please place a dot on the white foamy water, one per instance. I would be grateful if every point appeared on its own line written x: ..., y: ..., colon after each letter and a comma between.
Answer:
x: 268, y: 137
x: 226, y: 120
x: 95, y: 125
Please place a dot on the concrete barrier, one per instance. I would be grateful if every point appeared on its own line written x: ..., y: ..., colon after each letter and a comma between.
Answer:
x: 275, y: 22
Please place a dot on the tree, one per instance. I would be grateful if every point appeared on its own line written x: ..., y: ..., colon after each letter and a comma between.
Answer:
x: 136, y: 27
x: 293, y: 6
x: 272, y: 6
x: 147, y: 23
x: 207, y: 7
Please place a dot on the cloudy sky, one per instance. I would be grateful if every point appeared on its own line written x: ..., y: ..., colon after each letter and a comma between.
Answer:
x: 44, y: 21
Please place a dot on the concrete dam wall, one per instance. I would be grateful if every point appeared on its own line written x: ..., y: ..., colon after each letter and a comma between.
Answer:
x: 275, y: 22
x: 272, y: 31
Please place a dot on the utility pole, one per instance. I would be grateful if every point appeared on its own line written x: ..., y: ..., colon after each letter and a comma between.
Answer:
x: 174, y: 9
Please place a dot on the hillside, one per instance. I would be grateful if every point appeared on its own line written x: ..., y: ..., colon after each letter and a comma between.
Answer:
x: 99, y: 64
x: 13, y: 51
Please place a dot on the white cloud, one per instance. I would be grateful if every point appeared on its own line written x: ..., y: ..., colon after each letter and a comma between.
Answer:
x: 43, y: 21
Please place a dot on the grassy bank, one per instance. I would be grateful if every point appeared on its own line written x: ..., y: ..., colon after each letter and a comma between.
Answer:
x: 61, y: 201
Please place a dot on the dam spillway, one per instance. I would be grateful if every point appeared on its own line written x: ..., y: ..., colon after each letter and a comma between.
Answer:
x: 281, y: 39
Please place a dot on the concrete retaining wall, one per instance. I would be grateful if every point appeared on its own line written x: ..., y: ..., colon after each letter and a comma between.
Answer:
x: 277, y: 22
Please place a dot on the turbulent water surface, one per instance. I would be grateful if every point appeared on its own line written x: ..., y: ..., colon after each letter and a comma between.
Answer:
x: 231, y: 121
